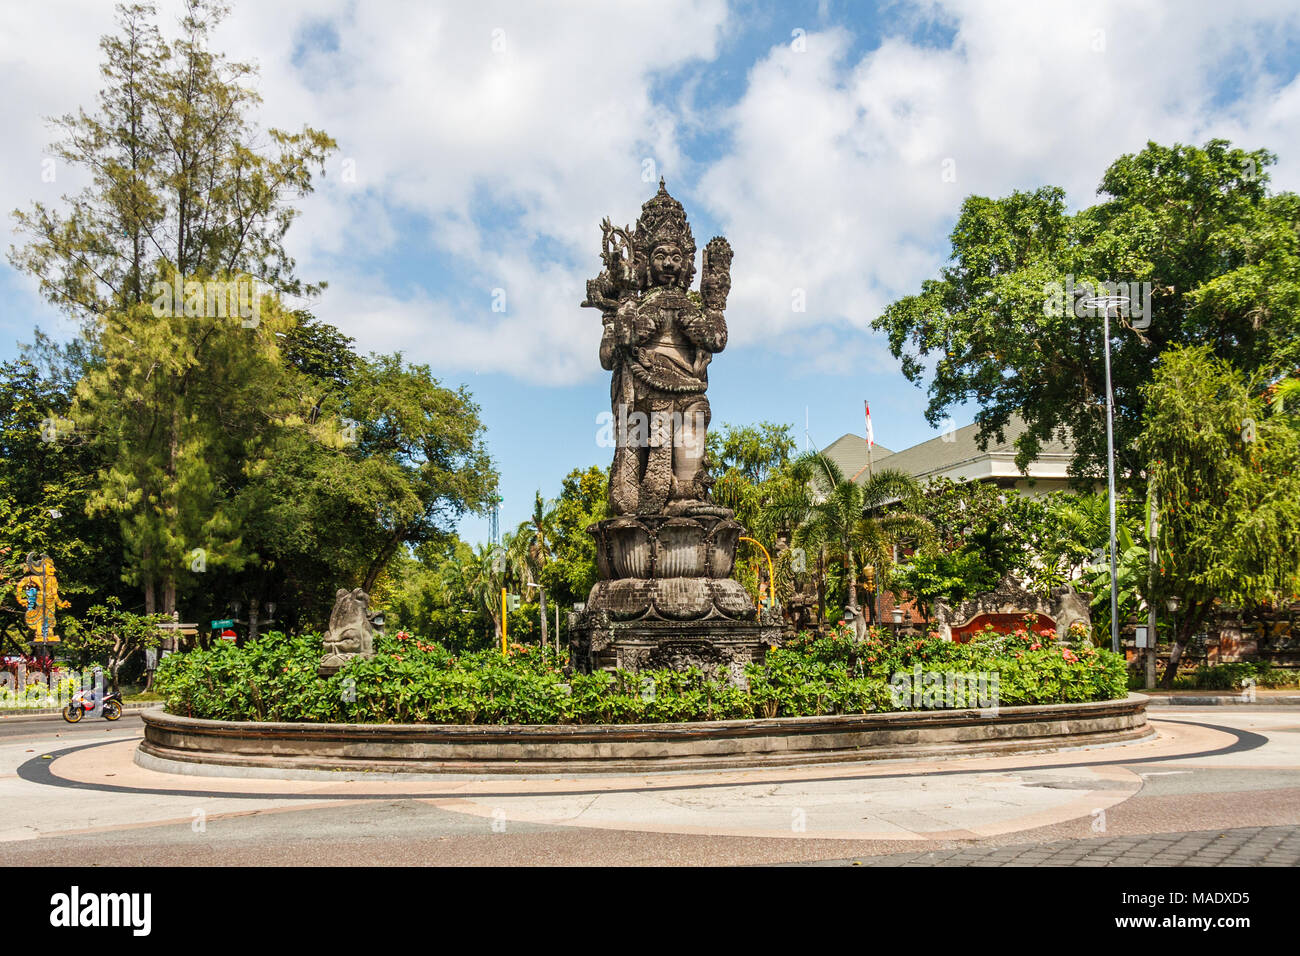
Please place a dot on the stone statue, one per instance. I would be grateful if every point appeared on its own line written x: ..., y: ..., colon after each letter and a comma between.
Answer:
x: 658, y: 339
x: 665, y: 596
x: 351, y: 632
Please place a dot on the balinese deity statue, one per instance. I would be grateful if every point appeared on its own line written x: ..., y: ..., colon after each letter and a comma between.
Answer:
x: 664, y: 594
x: 658, y: 339
x: 38, y: 596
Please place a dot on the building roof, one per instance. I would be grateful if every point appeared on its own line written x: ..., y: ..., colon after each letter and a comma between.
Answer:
x: 850, y: 453
x: 956, y: 455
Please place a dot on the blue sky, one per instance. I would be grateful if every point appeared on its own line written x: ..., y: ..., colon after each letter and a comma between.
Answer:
x: 480, y: 146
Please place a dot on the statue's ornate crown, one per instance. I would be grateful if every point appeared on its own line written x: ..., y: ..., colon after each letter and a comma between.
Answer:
x: 664, y: 220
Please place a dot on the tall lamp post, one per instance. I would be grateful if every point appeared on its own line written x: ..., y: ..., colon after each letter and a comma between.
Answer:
x: 1106, y: 303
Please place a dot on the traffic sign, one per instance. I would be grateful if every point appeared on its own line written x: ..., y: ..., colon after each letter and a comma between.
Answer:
x: 222, y: 623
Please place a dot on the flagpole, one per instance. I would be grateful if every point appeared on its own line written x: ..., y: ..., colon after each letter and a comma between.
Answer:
x: 871, y: 444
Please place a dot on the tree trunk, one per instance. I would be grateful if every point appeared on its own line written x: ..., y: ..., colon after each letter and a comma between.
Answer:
x: 1171, y: 669
x: 150, y: 594
x: 1187, y: 628
x: 821, y: 587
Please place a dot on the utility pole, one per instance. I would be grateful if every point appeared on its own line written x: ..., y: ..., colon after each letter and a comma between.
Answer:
x: 1153, y: 529
x: 1106, y: 303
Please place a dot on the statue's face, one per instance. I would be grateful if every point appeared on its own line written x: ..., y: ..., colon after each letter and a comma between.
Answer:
x: 666, y: 264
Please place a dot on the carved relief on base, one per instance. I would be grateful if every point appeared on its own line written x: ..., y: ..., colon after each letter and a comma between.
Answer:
x: 1008, y: 604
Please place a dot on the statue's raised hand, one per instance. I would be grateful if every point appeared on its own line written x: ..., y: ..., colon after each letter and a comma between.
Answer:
x: 715, y: 278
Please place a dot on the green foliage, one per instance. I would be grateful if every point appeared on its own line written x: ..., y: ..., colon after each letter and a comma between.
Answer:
x: 1236, y: 676
x: 1132, y: 570
x: 181, y: 177
x: 1222, y: 256
x: 952, y: 577
x: 48, y: 473
x: 216, y: 452
x: 754, y: 451
x: 1227, y: 479
x: 571, y: 570
x: 858, y: 523
x: 412, y: 681
x: 107, y: 633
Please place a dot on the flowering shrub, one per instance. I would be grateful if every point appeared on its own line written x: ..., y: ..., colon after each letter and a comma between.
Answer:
x: 412, y: 680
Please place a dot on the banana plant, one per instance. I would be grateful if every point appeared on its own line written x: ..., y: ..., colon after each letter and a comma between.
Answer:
x: 1132, y: 567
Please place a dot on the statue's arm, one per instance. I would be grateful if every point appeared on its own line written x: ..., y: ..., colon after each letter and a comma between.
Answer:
x: 607, y: 346
x: 707, y: 329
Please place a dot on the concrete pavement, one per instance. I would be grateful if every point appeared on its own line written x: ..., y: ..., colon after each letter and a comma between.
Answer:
x: 74, y: 795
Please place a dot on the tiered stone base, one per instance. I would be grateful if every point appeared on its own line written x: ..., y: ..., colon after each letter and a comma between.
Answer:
x: 713, y: 646
x: 666, y: 597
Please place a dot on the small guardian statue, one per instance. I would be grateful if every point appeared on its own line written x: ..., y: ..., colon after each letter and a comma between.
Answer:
x: 351, y: 632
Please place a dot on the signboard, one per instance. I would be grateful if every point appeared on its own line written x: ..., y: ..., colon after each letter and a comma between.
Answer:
x: 224, y: 622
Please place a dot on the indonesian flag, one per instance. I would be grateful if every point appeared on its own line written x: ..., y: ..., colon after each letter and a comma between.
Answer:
x: 871, y: 436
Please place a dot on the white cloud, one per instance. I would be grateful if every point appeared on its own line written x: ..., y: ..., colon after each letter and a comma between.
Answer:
x: 835, y: 181
x: 467, y: 155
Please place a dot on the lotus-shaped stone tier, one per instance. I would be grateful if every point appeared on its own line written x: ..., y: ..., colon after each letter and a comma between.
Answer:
x: 668, y: 568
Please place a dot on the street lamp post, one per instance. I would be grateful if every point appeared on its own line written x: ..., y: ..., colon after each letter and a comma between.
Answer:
x: 1106, y: 303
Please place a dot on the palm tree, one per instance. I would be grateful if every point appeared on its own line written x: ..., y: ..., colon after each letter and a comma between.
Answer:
x: 529, y: 549
x: 849, y: 521
x: 480, y: 574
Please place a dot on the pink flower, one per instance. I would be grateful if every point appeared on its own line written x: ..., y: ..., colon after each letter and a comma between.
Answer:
x: 1034, y: 647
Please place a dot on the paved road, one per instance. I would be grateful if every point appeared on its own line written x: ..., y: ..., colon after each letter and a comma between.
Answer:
x: 1219, y: 787
x: 44, y: 726
x: 1245, y: 846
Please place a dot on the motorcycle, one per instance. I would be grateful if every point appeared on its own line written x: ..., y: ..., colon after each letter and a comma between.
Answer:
x: 84, y: 701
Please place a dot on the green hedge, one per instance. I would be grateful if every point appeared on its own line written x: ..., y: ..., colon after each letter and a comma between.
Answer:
x: 411, y: 681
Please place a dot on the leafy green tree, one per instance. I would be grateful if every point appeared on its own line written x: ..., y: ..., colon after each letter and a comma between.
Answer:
x: 48, y: 474
x: 180, y: 194
x: 950, y: 576
x: 178, y: 179
x: 419, y: 458
x: 321, y: 352
x: 755, y: 451
x: 429, y: 596
x: 571, y: 572
x: 1226, y: 475
x: 109, y: 634
x: 1221, y: 254
x: 188, y: 414
x: 1132, y: 574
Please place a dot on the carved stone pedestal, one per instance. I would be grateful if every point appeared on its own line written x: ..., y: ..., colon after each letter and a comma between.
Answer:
x: 666, y: 598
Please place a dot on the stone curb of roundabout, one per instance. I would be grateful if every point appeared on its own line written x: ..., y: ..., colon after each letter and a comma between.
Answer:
x: 191, y: 743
